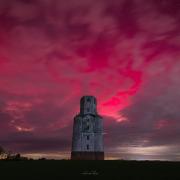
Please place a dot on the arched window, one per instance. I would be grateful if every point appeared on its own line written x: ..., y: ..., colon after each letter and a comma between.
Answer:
x: 87, y: 146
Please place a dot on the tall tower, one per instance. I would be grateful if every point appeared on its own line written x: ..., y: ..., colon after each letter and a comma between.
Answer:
x: 87, y: 141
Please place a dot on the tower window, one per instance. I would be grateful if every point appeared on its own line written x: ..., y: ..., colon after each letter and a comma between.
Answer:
x: 87, y: 109
x: 87, y: 146
x: 88, y: 99
x: 87, y: 127
x: 87, y: 137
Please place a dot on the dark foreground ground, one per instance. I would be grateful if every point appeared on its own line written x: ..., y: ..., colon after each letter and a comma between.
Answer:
x: 54, y: 169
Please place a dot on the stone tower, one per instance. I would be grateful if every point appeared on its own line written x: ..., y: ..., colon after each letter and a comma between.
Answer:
x: 87, y: 141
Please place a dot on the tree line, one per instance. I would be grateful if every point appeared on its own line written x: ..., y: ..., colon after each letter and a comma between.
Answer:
x: 8, y: 155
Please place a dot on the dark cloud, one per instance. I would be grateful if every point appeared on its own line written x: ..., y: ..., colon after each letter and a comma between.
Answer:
x: 32, y: 142
x: 153, y: 117
x: 32, y: 125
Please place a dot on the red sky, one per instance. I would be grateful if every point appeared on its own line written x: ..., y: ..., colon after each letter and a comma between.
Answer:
x: 124, y: 52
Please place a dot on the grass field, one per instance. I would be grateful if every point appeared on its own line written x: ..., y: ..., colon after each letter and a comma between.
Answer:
x: 53, y: 169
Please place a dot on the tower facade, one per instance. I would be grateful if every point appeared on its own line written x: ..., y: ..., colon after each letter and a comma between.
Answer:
x: 87, y: 141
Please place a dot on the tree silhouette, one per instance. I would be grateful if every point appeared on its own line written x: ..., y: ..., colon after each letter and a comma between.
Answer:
x: 3, y: 154
x: 8, y: 155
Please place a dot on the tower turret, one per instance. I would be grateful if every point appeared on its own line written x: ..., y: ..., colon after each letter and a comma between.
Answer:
x: 88, y: 105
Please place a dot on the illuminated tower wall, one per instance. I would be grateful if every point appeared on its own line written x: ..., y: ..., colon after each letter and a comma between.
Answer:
x: 87, y: 141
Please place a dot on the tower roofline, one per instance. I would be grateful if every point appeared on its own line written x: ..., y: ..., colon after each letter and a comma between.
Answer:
x: 88, y: 96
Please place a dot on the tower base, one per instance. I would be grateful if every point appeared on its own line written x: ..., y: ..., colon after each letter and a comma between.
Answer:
x: 87, y: 155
